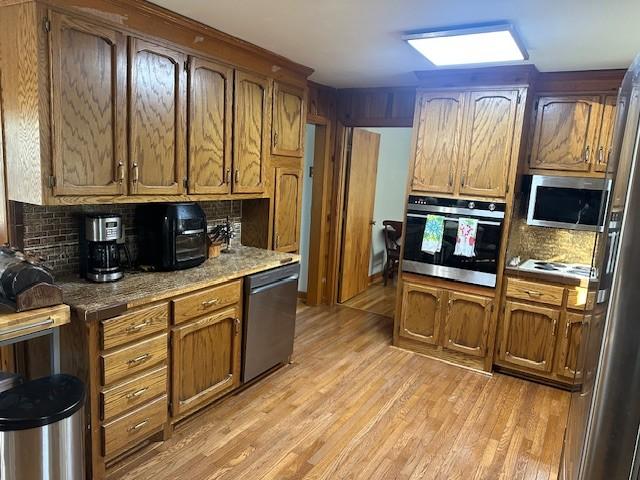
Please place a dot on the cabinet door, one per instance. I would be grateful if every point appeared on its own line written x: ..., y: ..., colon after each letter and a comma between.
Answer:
x: 157, y: 113
x: 205, y: 359
x: 286, y: 217
x: 606, y: 133
x: 288, y: 120
x: 466, y: 324
x: 569, y: 346
x: 251, y: 135
x: 528, y: 336
x: 88, y: 96
x: 209, y: 127
x: 438, y: 136
x: 420, y: 317
x: 488, y: 142
x: 565, y: 133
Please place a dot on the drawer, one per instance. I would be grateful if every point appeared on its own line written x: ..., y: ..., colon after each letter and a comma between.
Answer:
x: 126, y: 431
x: 580, y: 298
x: 535, y: 292
x: 125, y: 361
x: 132, y: 393
x: 205, y: 301
x: 133, y: 326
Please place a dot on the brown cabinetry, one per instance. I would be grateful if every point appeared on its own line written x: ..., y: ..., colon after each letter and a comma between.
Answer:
x: 606, y: 133
x: 287, y: 202
x: 569, y: 345
x: 421, y: 313
x: 288, y: 120
x: 466, y: 323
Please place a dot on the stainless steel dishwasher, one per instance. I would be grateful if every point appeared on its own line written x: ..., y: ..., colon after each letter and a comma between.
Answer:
x: 269, y: 319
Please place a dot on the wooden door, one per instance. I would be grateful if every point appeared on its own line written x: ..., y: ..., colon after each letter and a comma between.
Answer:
x: 288, y: 120
x: 569, y: 346
x: 438, y: 136
x: 490, y: 120
x: 286, y: 216
x: 528, y: 335
x: 421, y: 313
x: 209, y: 127
x: 205, y: 359
x: 251, y: 132
x: 157, y: 114
x: 466, y: 323
x: 565, y: 132
x: 606, y: 133
x: 88, y: 109
x: 360, y: 192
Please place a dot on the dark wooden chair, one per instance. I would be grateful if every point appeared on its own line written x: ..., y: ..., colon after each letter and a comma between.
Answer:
x: 392, y: 231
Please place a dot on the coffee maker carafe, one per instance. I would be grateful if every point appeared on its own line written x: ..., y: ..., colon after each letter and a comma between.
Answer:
x: 100, y: 246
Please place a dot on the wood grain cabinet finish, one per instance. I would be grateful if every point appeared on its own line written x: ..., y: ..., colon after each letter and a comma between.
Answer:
x: 157, y: 118
x: 88, y: 107
x: 133, y: 392
x: 131, y: 359
x: 251, y: 132
x: 203, y: 302
x: 209, y: 128
x: 437, y: 141
x: 528, y: 336
x: 134, y: 325
x: 569, y: 346
x: 535, y: 291
x: 288, y: 120
x: 206, y: 359
x: 286, y: 217
x: 421, y: 313
x: 565, y: 132
x: 606, y: 134
x: 466, y: 323
x: 488, y: 142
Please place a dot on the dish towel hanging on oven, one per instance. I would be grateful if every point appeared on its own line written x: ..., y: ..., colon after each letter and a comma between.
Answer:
x: 432, y: 236
x: 466, y: 238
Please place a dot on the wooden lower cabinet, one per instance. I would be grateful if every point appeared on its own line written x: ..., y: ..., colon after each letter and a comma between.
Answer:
x: 421, y: 313
x: 569, y: 341
x: 206, y: 359
x: 466, y: 323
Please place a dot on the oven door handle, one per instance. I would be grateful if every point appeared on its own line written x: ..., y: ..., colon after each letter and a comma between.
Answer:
x: 452, y: 219
x: 191, y: 232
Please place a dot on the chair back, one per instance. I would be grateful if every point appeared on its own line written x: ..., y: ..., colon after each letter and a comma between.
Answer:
x: 392, y: 230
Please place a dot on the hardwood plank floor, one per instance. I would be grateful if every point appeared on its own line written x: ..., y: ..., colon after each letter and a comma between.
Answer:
x: 351, y: 406
x: 376, y: 299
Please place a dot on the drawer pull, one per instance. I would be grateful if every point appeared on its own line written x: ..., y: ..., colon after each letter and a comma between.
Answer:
x: 533, y: 293
x: 138, y: 360
x: 208, y: 303
x: 137, y: 393
x: 138, y: 426
x: 138, y: 327
x: 41, y: 323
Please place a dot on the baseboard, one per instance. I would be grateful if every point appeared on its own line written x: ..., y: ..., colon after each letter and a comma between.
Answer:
x: 302, y: 296
x: 375, y: 277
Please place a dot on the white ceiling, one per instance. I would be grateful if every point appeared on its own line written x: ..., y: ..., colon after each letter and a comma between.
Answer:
x: 357, y: 42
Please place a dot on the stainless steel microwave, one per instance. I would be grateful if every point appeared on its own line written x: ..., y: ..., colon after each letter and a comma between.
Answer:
x: 567, y: 202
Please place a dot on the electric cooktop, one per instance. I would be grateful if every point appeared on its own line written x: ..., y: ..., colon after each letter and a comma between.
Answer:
x: 574, y: 270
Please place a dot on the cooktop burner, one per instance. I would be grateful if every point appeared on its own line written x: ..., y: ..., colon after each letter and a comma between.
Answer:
x: 575, y: 270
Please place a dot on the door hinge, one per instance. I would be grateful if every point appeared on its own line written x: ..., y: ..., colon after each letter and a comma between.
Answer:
x: 535, y: 106
x: 185, y: 182
x: 52, y: 181
x: 519, y: 99
x: 186, y: 66
x: 311, y: 171
x: 46, y: 24
x: 507, y: 188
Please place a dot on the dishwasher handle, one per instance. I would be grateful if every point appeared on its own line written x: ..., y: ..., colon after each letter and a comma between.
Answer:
x: 275, y: 284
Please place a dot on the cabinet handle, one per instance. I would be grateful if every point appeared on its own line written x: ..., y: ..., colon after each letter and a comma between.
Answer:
x: 237, y: 175
x: 236, y: 323
x: 120, y: 172
x: 138, y: 426
x: 553, y: 331
x: 137, y: 393
x: 277, y: 240
x: 601, y: 155
x: 135, y: 172
x: 450, y: 178
x: 275, y: 139
x: 566, y: 330
x: 138, y: 360
x: 140, y: 326
x: 228, y: 176
x: 587, y: 154
x: 208, y: 303
x: 533, y: 293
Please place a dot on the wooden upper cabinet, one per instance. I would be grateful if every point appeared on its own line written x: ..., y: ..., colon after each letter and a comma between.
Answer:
x: 488, y: 142
x: 251, y: 132
x: 88, y: 107
x: 421, y: 313
x: 157, y: 114
x: 286, y: 217
x: 528, y: 336
x: 565, y: 132
x: 466, y: 323
x: 606, y: 133
x: 288, y: 120
x: 439, y: 130
x: 209, y: 126
x: 569, y: 345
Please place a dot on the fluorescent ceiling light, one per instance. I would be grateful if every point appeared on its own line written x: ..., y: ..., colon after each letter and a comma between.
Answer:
x: 496, y: 43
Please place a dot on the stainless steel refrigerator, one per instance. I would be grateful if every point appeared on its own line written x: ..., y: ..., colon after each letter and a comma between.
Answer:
x: 601, y: 439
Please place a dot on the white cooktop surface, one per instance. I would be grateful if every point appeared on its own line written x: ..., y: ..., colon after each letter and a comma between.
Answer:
x: 574, y: 270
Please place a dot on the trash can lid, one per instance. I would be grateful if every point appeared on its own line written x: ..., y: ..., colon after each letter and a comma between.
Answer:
x: 40, y: 402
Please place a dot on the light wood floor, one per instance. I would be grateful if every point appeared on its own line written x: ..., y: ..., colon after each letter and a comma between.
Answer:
x: 376, y: 299
x: 351, y: 406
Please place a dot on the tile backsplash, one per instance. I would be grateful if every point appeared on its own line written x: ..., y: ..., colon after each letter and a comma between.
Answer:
x: 53, y: 232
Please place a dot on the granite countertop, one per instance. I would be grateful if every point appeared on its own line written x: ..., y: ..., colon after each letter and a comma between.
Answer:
x: 94, y: 301
x: 549, y: 277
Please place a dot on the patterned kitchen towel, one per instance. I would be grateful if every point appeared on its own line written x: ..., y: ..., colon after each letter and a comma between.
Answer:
x: 432, y: 236
x: 466, y: 239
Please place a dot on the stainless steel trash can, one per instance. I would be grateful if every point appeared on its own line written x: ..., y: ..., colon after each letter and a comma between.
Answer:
x: 42, y: 430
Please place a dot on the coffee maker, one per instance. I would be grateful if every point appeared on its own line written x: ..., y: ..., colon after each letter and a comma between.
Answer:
x: 101, y: 240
